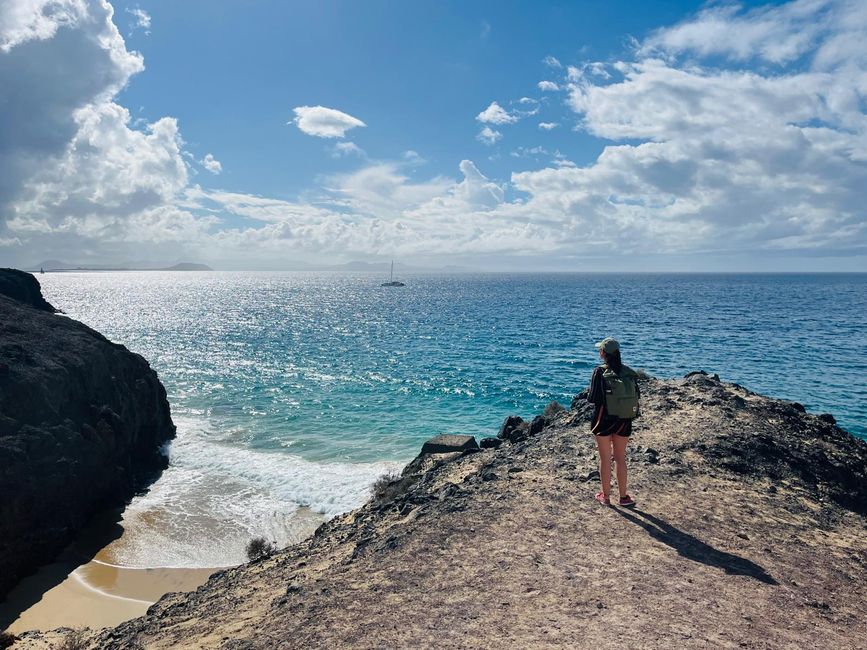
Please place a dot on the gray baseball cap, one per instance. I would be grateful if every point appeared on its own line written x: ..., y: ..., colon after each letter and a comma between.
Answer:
x: 608, y: 344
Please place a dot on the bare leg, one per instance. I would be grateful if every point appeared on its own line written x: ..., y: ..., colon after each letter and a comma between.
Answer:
x: 603, y: 444
x: 620, y: 443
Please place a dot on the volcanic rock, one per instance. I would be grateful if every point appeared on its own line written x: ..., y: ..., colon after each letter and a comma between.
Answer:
x: 82, y: 423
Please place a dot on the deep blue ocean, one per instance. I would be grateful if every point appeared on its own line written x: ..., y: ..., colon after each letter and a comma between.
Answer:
x: 293, y: 391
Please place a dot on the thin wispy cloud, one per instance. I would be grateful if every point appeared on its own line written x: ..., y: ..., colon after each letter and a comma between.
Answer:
x: 141, y: 20
x: 344, y: 149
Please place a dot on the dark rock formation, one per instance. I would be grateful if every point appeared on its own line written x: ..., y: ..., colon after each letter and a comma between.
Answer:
x: 446, y: 444
x: 82, y: 422
x: 24, y: 288
x: 511, y: 423
x: 539, y: 422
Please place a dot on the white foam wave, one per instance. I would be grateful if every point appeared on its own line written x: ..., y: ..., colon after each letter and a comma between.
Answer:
x: 214, y: 497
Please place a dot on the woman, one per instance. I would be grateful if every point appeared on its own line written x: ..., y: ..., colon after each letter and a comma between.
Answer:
x: 614, y: 393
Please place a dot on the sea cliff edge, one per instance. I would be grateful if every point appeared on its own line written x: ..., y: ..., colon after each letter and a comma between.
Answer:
x: 82, y: 424
x: 750, y: 531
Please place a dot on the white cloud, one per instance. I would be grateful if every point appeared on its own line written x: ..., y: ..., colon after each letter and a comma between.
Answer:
x: 548, y: 86
x: 344, y: 149
x: 142, y: 20
x: 413, y: 158
x: 733, y: 158
x: 211, y: 164
x: 551, y: 62
x: 496, y: 114
x: 529, y: 152
x: 107, y: 173
x: 775, y: 33
x: 488, y: 136
x: 37, y: 20
x: 72, y: 165
x: 598, y: 69
x: 324, y: 122
x: 708, y: 154
x: 382, y: 189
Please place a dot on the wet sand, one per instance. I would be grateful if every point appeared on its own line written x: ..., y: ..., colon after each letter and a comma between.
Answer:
x: 88, y: 586
x: 94, y: 595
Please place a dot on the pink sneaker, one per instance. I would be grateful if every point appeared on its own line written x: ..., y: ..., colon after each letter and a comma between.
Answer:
x: 601, y: 498
x: 627, y: 501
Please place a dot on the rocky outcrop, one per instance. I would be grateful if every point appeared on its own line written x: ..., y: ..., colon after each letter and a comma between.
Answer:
x: 447, y: 443
x: 82, y: 423
x: 24, y: 288
x: 749, y: 532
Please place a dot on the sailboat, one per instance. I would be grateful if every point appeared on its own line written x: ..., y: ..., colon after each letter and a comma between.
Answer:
x: 391, y: 281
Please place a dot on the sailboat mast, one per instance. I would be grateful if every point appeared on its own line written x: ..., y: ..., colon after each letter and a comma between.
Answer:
x: 391, y: 277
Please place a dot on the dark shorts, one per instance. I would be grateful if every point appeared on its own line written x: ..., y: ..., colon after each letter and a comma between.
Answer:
x: 607, y: 425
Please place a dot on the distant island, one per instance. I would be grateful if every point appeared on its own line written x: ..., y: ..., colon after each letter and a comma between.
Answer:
x: 383, y: 267
x: 53, y: 266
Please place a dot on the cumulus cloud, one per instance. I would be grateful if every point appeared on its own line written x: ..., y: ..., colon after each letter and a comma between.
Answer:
x: 489, y: 136
x: 324, y: 122
x: 733, y: 157
x: 735, y: 131
x: 496, y: 114
x: 74, y: 168
x: 37, y: 20
x: 548, y: 86
x: 211, y: 164
x: 552, y: 62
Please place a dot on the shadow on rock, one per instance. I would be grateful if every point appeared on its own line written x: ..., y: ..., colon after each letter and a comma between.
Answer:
x: 693, y: 548
x: 103, y: 529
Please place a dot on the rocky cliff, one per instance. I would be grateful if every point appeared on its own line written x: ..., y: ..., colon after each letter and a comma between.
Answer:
x: 750, y: 531
x: 82, y: 421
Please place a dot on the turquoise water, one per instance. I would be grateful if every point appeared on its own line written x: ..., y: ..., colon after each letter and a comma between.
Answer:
x: 302, y: 388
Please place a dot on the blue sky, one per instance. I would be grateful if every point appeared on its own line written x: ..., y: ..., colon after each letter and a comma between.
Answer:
x: 416, y: 73
x: 522, y: 135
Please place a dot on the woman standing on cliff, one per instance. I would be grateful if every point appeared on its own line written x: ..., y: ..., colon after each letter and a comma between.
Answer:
x: 614, y: 394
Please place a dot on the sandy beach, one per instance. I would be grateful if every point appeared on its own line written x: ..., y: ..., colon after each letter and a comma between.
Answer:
x: 96, y: 594
x: 87, y: 586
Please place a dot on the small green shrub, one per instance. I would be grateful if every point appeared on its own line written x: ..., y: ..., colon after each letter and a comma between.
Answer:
x: 554, y: 408
x: 260, y: 548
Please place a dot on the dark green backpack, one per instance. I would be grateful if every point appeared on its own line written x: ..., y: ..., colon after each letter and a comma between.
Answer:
x: 621, y: 392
